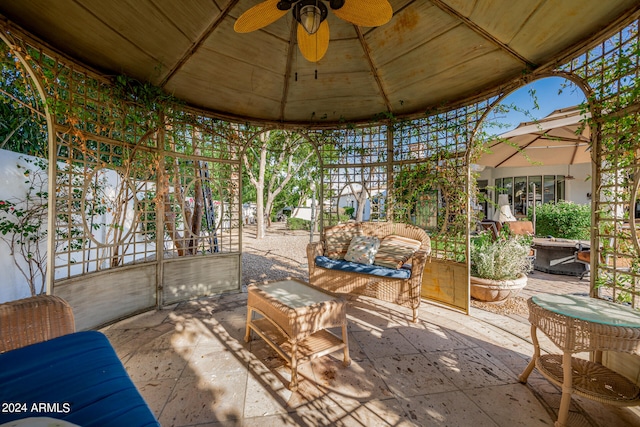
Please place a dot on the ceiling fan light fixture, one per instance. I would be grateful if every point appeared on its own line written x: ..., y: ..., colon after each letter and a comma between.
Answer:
x: 310, y: 14
x: 310, y: 18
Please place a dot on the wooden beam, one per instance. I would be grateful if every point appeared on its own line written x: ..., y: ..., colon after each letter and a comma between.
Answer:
x: 482, y: 32
x: 374, y: 70
x: 289, y: 66
x: 196, y: 45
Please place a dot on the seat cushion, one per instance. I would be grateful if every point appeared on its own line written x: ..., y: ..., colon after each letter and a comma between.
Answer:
x: 80, y: 379
x: 362, y: 249
x: 395, y: 251
x: 376, y: 270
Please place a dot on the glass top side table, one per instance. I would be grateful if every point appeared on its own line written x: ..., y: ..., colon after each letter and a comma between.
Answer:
x: 577, y: 324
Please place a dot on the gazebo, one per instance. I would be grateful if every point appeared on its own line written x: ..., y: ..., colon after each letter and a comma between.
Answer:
x: 163, y: 98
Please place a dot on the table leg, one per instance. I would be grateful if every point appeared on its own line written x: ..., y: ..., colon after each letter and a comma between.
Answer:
x: 247, y: 334
x: 345, y: 340
x: 597, y: 356
x: 567, y: 389
x: 536, y: 354
x: 293, y: 385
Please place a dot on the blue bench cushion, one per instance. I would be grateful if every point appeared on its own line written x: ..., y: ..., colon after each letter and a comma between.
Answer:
x: 376, y: 270
x: 78, y: 377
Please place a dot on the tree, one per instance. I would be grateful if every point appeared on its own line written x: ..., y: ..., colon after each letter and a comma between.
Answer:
x: 23, y: 128
x: 270, y: 165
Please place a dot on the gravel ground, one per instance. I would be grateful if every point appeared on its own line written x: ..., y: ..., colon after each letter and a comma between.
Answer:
x: 282, y: 254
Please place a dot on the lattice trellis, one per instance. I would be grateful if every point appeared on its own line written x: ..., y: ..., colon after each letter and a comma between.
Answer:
x: 612, y: 71
x: 99, y: 189
x: 128, y: 166
x: 415, y: 172
x: 355, y: 174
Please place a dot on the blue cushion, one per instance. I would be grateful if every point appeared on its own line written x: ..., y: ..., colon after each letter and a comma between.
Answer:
x: 376, y: 270
x: 79, y: 376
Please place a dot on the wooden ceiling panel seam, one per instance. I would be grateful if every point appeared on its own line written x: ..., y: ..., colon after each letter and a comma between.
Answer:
x: 461, y: 95
x: 458, y: 65
x: 287, y: 73
x: 51, y: 51
x: 482, y: 32
x: 501, y: 18
x: 563, y: 57
x: 114, y: 30
x: 374, y: 70
x: 448, y: 30
x: 221, y: 87
x: 168, y: 18
x: 228, y: 51
x: 412, y: 29
x: 194, y: 47
x: 234, y: 58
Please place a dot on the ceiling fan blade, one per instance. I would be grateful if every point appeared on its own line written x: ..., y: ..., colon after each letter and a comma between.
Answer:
x: 259, y: 16
x: 313, y: 46
x: 365, y: 13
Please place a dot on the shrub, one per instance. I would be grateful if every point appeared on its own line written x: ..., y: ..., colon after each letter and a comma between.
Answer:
x: 349, y: 210
x: 502, y: 259
x: 565, y: 220
x: 329, y: 220
x: 298, y: 224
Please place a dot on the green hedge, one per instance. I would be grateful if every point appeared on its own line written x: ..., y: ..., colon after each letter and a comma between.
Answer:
x: 298, y: 224
x: 565, y: 220
x: 330, y: 220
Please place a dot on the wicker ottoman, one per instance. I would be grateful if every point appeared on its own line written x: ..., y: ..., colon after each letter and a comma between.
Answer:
x: 293, y: 317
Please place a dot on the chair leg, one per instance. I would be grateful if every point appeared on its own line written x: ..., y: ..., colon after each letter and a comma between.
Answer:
x: 586, y: 271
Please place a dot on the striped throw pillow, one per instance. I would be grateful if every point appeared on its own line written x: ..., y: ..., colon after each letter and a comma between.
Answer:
x: 395, y: 251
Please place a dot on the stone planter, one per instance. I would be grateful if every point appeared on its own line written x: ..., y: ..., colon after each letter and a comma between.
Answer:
x: 488, y: 290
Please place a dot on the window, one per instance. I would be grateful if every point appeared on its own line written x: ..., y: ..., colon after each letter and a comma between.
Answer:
x: 520, y: 189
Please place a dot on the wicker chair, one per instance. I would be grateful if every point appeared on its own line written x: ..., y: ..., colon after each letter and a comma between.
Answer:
x: 404, y: 292
x: 31, y: 320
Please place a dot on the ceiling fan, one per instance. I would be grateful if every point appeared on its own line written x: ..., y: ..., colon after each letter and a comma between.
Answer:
x: 311, y: 15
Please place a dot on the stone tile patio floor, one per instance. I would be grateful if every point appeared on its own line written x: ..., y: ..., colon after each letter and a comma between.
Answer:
x: 191, y: 364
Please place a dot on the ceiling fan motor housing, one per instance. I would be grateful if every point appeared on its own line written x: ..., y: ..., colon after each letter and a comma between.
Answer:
x: 286, y: 4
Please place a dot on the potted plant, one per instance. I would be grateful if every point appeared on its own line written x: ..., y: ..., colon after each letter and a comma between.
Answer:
x: 499, y: 267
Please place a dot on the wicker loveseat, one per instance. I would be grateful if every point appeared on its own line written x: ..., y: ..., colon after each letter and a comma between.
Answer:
x: 400, y: 286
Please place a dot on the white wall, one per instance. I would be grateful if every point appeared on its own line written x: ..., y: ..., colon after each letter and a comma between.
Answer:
x: 12, y: 187
x: 302, y: 212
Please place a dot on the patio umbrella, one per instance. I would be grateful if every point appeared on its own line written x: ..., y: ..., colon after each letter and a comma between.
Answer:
x: 561, y: 138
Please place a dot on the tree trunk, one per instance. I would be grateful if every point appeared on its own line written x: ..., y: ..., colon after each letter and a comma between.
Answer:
x: 259, y: 212
x: 362, y: 202
x: 260, y: 233
x: 312, y: 226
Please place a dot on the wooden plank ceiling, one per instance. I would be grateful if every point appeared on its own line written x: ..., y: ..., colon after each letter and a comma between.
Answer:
x: 432, y: 52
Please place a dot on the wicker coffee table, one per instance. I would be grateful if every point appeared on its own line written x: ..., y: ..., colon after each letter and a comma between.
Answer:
x: 292, y: 317
x: 578, y: 324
